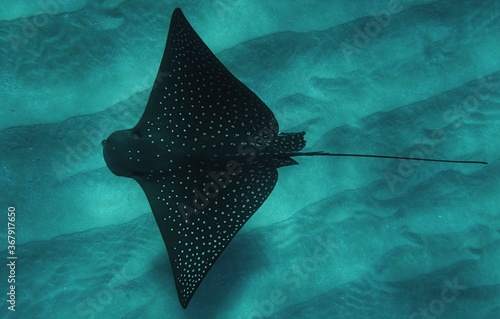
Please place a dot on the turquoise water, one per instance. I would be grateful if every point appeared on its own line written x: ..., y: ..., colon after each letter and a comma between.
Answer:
x: 338, y: 237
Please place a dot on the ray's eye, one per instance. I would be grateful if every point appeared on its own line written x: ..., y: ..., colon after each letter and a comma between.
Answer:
x: 135, y: 135
x: 137, y: 174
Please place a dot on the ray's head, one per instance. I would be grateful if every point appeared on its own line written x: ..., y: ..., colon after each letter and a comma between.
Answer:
x: 122, y: 153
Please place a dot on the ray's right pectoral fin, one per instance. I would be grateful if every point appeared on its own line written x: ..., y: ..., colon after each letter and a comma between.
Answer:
x: 200, y: 207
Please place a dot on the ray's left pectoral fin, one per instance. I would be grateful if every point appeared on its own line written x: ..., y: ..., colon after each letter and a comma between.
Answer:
x: 199, y: 208
x: 191, y: 80
x: 289, y: 142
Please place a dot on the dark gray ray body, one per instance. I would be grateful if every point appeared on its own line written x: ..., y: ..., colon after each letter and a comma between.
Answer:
x: 205, y: 152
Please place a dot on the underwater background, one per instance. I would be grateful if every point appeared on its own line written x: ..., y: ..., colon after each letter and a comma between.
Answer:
x: 338, y: 237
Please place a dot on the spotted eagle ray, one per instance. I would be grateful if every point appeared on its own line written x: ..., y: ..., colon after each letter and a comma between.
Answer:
x: 205, y: 152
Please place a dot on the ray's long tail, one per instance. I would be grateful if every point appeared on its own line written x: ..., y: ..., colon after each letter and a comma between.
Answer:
x: 384, y: 156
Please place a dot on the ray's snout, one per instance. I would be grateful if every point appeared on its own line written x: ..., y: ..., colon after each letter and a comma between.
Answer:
x: 115, y: 151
